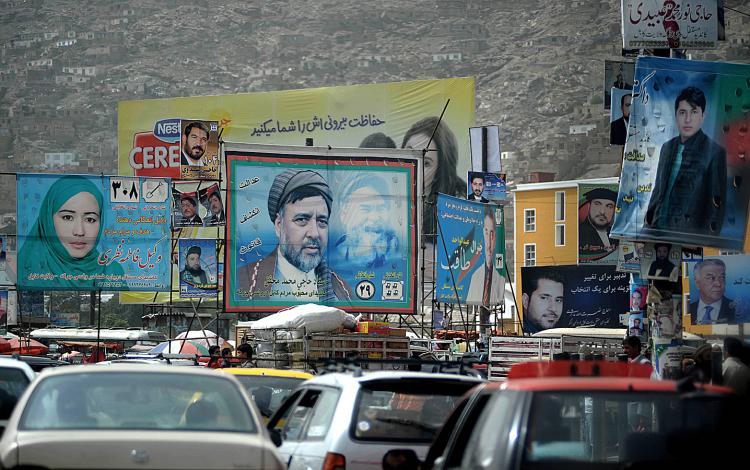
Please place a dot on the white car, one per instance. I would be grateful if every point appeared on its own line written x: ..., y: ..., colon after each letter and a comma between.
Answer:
x: 345, y: 421
x: 15, y: 376
x: 136, y: 416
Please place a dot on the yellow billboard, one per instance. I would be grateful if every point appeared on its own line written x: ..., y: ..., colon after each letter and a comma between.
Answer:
x: 150, y: 140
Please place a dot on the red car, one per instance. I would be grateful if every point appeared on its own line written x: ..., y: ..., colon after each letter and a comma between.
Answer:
x: 590, y: 414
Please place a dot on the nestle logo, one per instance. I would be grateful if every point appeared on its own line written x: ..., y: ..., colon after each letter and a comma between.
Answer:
x: 168, y: 130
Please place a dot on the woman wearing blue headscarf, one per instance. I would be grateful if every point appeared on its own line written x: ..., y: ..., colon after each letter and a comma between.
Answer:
x: 60, y: 249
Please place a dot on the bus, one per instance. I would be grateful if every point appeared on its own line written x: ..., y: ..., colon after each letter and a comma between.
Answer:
x: 120, y: 339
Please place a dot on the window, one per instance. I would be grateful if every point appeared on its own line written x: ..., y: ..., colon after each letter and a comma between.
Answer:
x: 560, y: 235
x: 529, y: 216
x: 529, y: 252
x: 310, y: 417
x: 559, y: 206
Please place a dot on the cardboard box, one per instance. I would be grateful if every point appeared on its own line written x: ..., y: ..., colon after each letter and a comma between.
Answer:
x: 373, y: 327
x: 397, y: 332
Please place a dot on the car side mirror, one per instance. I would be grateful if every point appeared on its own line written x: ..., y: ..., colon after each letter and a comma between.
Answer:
x: 276, y: 436
x: 402, y: 459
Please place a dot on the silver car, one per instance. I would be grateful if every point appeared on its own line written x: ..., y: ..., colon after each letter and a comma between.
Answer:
x: 344, y: 421
x: 136, y: 416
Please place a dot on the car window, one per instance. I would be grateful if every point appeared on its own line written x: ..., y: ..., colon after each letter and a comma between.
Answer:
x: 322, y: 414
x: 12, y: 384
x: 296, y: 418
x: 487, y: 438
x: 610, y: 427
x: 272, y: 390
x: 126, y: 400
x: 403, y: 412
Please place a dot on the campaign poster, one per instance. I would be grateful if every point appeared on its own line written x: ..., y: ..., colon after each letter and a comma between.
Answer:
x: 661, y: 261
x: 199, y: 149
x: 187, y: 211
x: 636, y: 325
x: 669, y: 24
x: 719, y: 290
x: 629, y: 256
x: 572, y: 296
x: 470, y: 252
x: 596, y: 212
x: 82, y: 232
x: 668, y: 354
x: 619, y: 116
x: 199, y: 275
x: 486, y: 187
x: 618, y: 75
x: 684, y: 173
x: 331, y: 227
x: 212, y: 200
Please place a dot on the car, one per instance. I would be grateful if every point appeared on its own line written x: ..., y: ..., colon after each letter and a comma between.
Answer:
x: 588, y: 414
x: 37, y: 363
x: 15, y: 376
x: 136, y: 416
x: 351, y: 420
x: 268, y: 387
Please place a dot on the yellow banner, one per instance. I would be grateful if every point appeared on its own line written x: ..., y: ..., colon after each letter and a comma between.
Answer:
x: 375, y: 115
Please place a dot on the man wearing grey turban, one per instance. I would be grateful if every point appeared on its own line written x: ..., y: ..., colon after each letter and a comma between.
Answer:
x: 299, y: 205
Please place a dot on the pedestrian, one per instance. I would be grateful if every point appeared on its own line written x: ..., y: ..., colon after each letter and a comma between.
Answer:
x: 631, y: 346
x: 701, y: 370
x: 736, y: 373
x: 245, y: 355
x: 215, y: 360
x: 226, y: 357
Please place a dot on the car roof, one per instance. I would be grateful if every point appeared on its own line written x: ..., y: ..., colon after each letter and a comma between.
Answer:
x: 341, y: 379
x: 583, y: 384
x: 16, y: 364
x: 122, y: 368
x: 297, y: 374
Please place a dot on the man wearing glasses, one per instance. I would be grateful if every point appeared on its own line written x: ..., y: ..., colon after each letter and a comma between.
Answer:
x: 618, y: 129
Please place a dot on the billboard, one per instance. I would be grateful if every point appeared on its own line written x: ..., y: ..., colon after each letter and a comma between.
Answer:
x: 684, y: 172
x: 394, y: 115
x: 149, y: 131
x: 199, y: 274
x: 719, y: 292
x: 573, y: 296
x: 596, y: 212
x: 470, y: 252
x: 79, y: 232
x: 669, y: 24
x: 312, y: 225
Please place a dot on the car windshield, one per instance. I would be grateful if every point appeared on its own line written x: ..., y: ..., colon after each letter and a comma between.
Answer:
x: 269, y: 392
x: 12, y: 384
x: 405, y: 410
x: 622, y: 428
x: 133, y: 400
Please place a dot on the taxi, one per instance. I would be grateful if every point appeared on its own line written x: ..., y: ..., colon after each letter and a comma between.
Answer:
x: 589, y: 414
x: 268, y: 387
